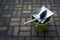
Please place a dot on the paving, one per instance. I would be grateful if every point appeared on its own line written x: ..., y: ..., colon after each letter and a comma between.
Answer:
x: 13, y: 13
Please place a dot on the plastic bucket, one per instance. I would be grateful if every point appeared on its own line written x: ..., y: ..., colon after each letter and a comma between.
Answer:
x: 41, y: 27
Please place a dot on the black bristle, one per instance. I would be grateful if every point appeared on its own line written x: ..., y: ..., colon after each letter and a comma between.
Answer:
x: 43, y: 14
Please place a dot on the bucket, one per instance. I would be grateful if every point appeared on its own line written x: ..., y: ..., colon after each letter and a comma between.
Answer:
x: 41, y: 27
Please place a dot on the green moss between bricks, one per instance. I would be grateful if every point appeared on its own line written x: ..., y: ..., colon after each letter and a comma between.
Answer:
x: 41, y: 27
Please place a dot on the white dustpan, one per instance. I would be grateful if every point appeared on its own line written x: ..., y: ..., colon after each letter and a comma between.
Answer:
x: 39, y: 12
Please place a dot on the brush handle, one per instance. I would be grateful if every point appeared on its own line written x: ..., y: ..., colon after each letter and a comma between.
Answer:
x: 36, y: 24
x: 29, y: 21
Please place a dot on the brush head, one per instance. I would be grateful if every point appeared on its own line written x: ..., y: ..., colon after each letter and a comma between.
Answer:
x: 43, y: 14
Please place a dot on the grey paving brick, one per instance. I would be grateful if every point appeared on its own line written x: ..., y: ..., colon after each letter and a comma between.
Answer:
x: 51, y: 1
x: 21, y: 2
x: 38, y: 1
x: 55, y: 38
x: 28, y: 20
x: 44, y: 1
x: 3, y: 28
x: 35, y: 8
x: 1, y: 8
x: 14, y: 23
x: 26, y: 11
x: 15, y: 19
x: 50, y: 34
x: 34, y: 1
x: 6, y: 15
x: 51, y: 28
x: 2, y: 34
x: 41, y: 34
x: 11, y: 7
x: 59, y: 38
x: 49, y: 6
x: 24, y: 33
x: 23, y: 21
x: 29, y: 7
x: 5, y: 21
x: 36, y: 5
x: 58, y: 30
x: 28, y: 38
x: 6, y: 7
x: 24, y: 7
x: 57, y: 1
x: 10, y: 31
x: 18, y: 14
x: 11, y: 38
x: 52, y: 21
x: 21, y: 38
x: 37, y: 38
x: 34, y: 33
x: 14, y: 13
x: 1, y: 22
x: 48, y: 38
x: 18, y: 6
x: 25, y: 28
x: 57, y: 23
x: 27, y: 2
x: 57, y: 19
x: 6, y: 12
x: 4, y: 2
x: 10, y: 1
x: 2, y: 38
x: 0, y: 12
x: 17, y: 1
x: 55, y: 13
x: 59, y: 12
x: 16, y: 29
x: 56, y: 7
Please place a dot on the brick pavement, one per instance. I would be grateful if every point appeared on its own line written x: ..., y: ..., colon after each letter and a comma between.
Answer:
x: 13, y: 13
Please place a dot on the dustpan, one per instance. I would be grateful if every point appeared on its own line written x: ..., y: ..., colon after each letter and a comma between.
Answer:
x: 42, y: 26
